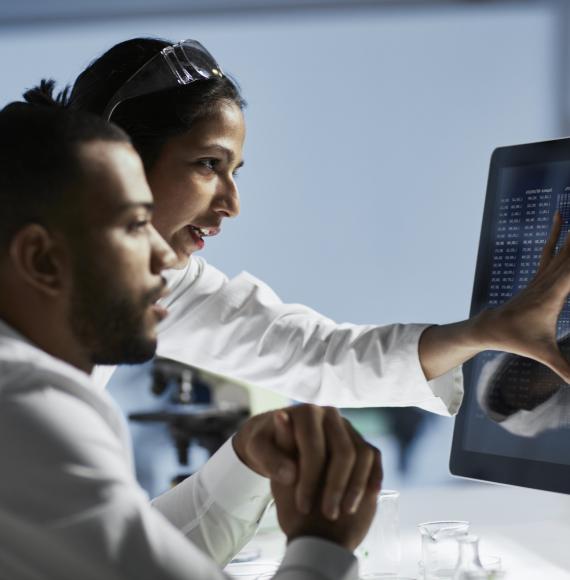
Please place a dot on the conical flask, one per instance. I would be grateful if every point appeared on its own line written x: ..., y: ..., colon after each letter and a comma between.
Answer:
x: 469, y: 565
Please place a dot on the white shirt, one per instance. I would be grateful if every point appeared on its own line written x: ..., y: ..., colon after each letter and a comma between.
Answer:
x: 70, y: 507
x: 240, y: 328
x: 553, y: 413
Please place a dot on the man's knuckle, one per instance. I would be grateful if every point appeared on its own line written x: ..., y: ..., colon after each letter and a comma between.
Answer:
x: 360, y: 443
x: 315, y: 410
x: 342, y: 445
x: 313, y: 453
x: 367, y: 456
x: 348, y: 457
x: 331, y: 411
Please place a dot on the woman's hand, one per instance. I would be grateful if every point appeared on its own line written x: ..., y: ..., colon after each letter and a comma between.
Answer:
x: 525, y: 325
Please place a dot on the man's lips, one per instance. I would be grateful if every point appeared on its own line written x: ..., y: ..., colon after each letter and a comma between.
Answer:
x: 154, y: 296
x: 159, y: 311
x: 159, y: 292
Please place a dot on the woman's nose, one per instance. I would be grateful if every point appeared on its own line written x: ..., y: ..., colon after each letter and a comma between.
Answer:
x: 227, y: 203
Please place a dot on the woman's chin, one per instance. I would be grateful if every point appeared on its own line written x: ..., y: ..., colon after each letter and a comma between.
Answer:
x: 184, y: 246
x: 182, y: 259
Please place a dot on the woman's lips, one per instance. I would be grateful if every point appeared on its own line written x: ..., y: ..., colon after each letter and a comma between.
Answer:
x: 205, y: 231
x: 198, y: 233
x: 196, y: 238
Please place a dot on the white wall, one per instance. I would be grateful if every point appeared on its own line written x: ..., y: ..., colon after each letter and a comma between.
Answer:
x: 369, y: 139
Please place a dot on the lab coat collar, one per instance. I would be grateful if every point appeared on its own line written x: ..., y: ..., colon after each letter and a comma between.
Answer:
x: 19, y: 355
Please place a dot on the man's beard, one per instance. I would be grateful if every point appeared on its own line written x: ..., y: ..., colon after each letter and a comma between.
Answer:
x: 108, y: 325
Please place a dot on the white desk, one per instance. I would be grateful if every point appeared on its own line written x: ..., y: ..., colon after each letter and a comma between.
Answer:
x: 529, y: 530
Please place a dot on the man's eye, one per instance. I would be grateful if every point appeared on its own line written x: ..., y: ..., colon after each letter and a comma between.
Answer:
x: 208, y: 163
x: 138, y: 225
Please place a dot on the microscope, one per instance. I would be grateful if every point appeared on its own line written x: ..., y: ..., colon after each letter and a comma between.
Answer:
x: 193, y: 411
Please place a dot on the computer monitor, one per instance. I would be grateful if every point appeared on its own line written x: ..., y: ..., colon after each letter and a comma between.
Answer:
x: 514, y: 424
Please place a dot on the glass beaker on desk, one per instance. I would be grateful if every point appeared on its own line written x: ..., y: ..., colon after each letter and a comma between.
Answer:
x: 440, y: 551
x: 380, y: 551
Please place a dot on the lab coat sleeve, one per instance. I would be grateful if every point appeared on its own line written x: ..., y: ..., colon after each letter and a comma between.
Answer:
x: 218, y: 508
x: 553, y: 413
x: 240, y: 328
x: 70, y: 507
x: 317, y: 558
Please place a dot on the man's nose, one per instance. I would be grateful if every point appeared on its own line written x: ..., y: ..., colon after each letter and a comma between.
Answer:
x: 162, y: 255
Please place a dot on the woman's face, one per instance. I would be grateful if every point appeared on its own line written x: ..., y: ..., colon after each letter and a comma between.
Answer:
x: 193, y: 181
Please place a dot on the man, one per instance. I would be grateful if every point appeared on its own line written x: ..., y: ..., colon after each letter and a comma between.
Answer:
x: 80, y: 276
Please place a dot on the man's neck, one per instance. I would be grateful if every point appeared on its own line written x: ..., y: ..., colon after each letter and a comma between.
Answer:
x: 51, y: 336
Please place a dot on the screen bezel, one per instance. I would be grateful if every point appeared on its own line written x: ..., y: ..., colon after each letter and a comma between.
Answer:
x: 483, y: 466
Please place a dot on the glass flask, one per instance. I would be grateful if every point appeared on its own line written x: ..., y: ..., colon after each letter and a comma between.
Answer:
x: 469, y: 565
x: 440, y: 549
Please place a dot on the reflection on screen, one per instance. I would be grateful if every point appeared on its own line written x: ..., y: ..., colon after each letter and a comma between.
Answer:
x: 520, y: 406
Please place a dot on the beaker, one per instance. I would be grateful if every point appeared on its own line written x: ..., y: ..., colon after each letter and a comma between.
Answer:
x: 440, y: 551
x: 379, y: 553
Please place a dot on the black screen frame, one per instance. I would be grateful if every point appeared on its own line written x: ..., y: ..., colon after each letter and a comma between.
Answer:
x: 483, y: 466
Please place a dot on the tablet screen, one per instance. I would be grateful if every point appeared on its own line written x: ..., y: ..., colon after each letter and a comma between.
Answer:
x: 514, y: 425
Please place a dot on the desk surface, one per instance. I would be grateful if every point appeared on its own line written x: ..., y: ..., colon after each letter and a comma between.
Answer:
x: 528, y: 529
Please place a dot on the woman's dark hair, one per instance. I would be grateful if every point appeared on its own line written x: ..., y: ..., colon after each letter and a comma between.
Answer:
x: 150, y: 120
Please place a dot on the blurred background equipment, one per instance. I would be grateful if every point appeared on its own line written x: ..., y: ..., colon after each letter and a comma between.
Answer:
x: 193, y: 414
x: 178, y: 416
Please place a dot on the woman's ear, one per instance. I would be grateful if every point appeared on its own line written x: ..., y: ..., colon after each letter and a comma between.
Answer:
x: 40, y: 259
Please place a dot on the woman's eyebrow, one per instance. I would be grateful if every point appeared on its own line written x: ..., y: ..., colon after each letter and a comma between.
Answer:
x: 221, y: 150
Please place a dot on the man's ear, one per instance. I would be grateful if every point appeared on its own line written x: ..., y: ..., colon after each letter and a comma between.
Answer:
x: 40, y: 259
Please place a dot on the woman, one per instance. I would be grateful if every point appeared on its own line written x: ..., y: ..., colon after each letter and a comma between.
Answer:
x: 185, y: 119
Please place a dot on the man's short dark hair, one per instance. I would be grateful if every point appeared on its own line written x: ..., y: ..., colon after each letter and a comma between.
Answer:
x: 40, y: 165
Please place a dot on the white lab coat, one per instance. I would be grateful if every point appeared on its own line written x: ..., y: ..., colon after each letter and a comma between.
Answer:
x: 70, y: 507
x: 240, y: 328
x: 554, y: 413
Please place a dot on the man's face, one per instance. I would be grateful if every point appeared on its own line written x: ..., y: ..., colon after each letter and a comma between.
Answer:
x: 118, y: 259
